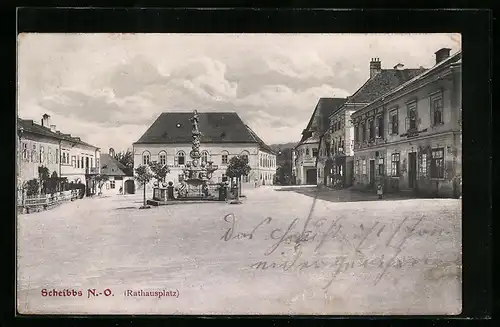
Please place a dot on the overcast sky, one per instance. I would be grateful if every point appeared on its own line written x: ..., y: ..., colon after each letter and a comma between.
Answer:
x: 109, y: 88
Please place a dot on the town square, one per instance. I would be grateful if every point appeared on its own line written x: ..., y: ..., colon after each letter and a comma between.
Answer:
x: 255, y: 177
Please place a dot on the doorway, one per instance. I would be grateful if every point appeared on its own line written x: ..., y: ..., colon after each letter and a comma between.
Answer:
x: 129, y: 187
x: 372, y: 172
x: 311, y: 176
x: 412, y: 170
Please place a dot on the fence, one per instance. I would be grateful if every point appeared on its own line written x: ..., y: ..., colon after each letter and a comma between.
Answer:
x: 46, y: 200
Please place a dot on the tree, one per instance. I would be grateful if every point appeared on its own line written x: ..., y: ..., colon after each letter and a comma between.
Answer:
x: 126, y: 158
x: 32, y: 187
x: 238, y: 166
x: 101, y: 180
x: 143, y: 176
x: 44, y: 175
x: 53, y: 182
x: 159, y: 171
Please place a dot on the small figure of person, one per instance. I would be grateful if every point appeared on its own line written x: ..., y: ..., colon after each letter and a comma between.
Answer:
x: 256, y: 182
x: 380, y: 191
x: 121, y: 190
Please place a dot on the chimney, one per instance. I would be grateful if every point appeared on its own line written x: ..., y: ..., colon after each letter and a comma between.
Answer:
x: 53, y: 128
x: 442, y: 54
x: 45, y: 120
x: 375, y: 67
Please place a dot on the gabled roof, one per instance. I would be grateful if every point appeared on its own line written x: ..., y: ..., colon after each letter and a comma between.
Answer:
x: 262, y: 145
x: 31, y: 127
x: 215, y: 127
x: 381, y: 83
x: 324, y: 108
x: 112, y: 167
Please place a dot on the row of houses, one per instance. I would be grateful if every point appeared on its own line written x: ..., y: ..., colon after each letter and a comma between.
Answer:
x: 401, y: 129
x: 65, y: 157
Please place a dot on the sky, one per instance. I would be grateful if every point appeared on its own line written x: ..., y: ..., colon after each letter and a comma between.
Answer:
x: 109, y: 88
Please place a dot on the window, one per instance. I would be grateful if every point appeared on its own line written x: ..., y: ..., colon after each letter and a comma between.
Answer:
x: 307, y: 151
x: 49, y: 155
x: 437, y: 109
x: 381, y: 166
x: 82, y: 162
x: 25, y: 150
x: 57, y: 156
x: 73, y: 161
x: 112, y: 184
x: 163, y: 158
x: 356, y: 168
x: 78, y: 161
x: 34, y: 154
x: 437, y: 163
x: 42, y: 154
x: 393, y: 122
x: 372, y: 129
x: 225, y: 155
x: 97, y: 163
x: 379, y: 128
x: 395, y: 164
x: 364, y: 167
x: 356, y: 133
x: 244, y: 155
x: 204, y: 157
x: 423, y: 164
x: 412, y: 115
x: 146, y: 157
x: 91, y: 162
x: 363, y: 132
x: 315, y: 152
x: 181, y: 158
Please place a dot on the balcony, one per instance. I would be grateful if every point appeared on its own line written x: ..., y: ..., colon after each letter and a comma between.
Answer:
x: 91, y: 171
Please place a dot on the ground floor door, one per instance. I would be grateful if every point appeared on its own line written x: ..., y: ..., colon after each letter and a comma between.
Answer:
x: 311, y: 176
x: 325, y: 176
x: 129, y: 187
x: 372, y: 172
x: 412, y: 170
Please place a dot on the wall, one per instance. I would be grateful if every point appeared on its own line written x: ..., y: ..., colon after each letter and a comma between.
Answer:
x: 29, y: 163
x: 70, y: 168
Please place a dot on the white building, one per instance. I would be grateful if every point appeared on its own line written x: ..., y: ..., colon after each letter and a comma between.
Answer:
x: 224, y: 135
x: 42, y: 145
x: 119, y: 177
x: 307, y: 150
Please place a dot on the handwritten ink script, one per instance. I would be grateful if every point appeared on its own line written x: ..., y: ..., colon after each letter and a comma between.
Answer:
x: 374, y: 245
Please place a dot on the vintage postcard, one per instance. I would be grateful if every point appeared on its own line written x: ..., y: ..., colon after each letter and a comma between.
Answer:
x: 236, y: 174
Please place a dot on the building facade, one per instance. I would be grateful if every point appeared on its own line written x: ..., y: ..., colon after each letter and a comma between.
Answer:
x: 410, y: 138
x: 41, y: 145
x: 224, y: 135
x: 336, y: 146
x: 120, y: 179
x: 306, y: 151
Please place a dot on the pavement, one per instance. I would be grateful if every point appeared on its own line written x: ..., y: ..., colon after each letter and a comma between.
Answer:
x: 279, y: 252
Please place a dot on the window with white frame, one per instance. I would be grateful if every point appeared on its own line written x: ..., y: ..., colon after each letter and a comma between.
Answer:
x: 379, y: 126
x: 224, y: 157
x: 49, y: 155
x: 356, y: 168
x: 146, y: 158
x: 364, y: 167
x: 412, y: 115
x: 57, y: 156
x: 395, y: 164
x: 181, y: 158
x: 73, y: 161
x: 423, y: 164
x: 394, y: 122
x: 162, y: 158
x: 25, y: 150
x: 436, y: 109
x: 34, y: 157
x: 371, y: 128
x: 42, y: 154
x: 307, y: 151
x: 112, y: 184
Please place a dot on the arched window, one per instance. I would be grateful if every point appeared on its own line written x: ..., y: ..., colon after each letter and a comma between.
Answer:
x: 224, y: 157
x: 146, y: 157
x: 204, y: 156
x: 245, y: 155
x: 162, y: 158
x: 181, y: 158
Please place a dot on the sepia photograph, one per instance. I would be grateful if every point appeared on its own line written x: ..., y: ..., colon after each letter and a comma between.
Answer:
x: 239, y: 174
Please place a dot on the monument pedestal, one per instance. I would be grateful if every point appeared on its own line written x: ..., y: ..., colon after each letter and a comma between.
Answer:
x: 159, y: 196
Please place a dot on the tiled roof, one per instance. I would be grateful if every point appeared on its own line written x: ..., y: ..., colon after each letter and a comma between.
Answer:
x: 112, y: 167
x: 215, y: 127
x: 381, y: 83
x: 31, y: 127
x: 456, y: 58
x: 323, y: 109
x: 262, y: 145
